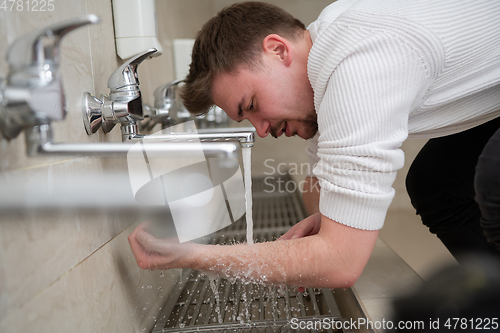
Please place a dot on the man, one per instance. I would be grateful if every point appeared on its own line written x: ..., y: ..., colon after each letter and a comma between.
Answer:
x: 363, y: 77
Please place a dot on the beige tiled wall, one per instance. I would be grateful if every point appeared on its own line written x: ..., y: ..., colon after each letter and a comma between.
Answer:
x: 67, y: 271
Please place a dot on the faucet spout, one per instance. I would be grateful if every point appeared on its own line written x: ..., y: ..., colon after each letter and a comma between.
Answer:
x: 39, y: 142
x: 41, y: 47
x: 245, y: 139
x: 32, y: 94
x: 168, y: 109
x: 123, y: 105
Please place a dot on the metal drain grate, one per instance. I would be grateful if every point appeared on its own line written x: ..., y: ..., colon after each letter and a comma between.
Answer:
x: 193, y: 305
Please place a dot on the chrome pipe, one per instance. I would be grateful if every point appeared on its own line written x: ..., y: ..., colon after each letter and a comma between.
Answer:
x: 39, y: 142
x: 108, y: 192
x: 172, y: 149
x: 226, y: 130
x: 246, y: 139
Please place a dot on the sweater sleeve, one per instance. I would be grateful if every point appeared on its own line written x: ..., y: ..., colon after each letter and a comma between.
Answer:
x: 363, y: 120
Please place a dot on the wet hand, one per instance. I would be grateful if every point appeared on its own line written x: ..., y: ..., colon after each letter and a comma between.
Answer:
x: 153, y: 253
x: 307, y: 227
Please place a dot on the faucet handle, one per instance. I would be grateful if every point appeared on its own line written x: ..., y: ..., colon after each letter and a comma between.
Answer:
x: 126, y: 75
x: 165, y: 94
x: 124, y: 103
x: 42, y: 47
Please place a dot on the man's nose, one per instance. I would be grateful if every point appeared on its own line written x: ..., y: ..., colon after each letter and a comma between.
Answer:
x: 262, y: 127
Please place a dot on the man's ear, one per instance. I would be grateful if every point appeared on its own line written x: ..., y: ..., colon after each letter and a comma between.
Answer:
x: 275, y: 45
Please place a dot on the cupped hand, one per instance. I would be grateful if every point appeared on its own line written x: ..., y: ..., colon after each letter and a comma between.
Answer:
x: 307, y: 227
x: 153, y: 253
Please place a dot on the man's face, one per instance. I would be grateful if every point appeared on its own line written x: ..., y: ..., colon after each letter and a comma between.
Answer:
x: 276, y: 99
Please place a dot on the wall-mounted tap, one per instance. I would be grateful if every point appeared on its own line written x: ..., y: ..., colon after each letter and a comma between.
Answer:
x: 32, y: 94
x: 168, y: 109
x: 215, y: 117
x: 123, y: 105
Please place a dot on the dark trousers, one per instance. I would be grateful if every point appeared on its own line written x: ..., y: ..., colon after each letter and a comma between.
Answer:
x: 454, y: 184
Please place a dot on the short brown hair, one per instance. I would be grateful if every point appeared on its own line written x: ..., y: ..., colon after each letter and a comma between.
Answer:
x: 231, y: 38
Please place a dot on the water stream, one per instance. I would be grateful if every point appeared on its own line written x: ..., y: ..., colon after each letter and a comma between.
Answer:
x: 247, y: 169
x: 214, y: 284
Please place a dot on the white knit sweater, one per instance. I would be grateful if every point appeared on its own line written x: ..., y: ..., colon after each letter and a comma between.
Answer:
x: 386, y: 70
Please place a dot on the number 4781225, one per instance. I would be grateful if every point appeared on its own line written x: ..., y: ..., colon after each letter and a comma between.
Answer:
x: 27, y: 5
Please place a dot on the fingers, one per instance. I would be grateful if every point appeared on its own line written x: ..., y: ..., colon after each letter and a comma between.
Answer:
x: 150, y: 242
x: 295, y: 232
x: 139, y: 251
x: 306, y: 227
x: 289, y: 234
x: 153, y: 253
x: 139, y: 243
x: 316, y: 223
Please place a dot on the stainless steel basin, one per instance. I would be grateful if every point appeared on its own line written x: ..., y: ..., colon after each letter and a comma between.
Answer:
x: 237, y: 307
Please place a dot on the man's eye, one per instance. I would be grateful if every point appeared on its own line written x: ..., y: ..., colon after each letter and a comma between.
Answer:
x: 251, y: 106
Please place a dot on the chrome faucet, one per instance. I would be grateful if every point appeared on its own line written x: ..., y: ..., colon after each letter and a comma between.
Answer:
x: 32, y: 94
x: 244, y: 136
x: 215, y: 117
x: 123, y: 105
x: 168, y: 109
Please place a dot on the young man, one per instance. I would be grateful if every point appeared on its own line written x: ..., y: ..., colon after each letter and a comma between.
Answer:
x: 357, y: 82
